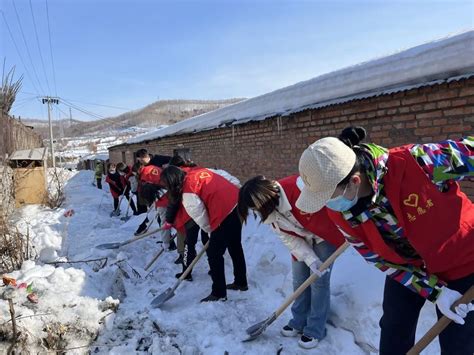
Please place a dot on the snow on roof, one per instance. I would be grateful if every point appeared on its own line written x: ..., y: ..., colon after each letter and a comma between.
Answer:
x: 100, y: 156
x: 432, y: 61
x: 30, y: 154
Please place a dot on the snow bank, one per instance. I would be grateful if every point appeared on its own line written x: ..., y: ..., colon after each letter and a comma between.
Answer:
x: 70, y: 295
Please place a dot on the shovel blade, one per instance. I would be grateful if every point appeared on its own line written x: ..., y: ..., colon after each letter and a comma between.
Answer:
x: 158, y: 301
x: 257, y: 329
x: 115, y: 245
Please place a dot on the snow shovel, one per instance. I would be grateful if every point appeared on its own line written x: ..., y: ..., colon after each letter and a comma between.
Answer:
x: 157, y: 255
x: 439, y: 326
x: 255, y: 330
x: 117, y: 245
x: 165, y: 296
x: 127, y: 217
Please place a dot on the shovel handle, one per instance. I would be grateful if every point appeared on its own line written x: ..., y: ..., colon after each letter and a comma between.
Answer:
x: 440, y: 325
x: 326, y: 264
x: 158, y: 255
x: 141, y: 237
x: 194, y: 262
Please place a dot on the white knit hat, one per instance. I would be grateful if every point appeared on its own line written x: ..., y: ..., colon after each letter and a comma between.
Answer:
x: 322, y: 166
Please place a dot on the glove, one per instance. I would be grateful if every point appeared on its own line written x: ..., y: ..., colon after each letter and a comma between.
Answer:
x: 315, y: 268
x: 463, y: 309
x: 167, y: 226
x: 446, y: 299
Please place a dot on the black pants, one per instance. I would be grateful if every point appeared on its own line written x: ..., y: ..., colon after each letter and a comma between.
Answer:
x: 227, y: 236
x: 116, y: 203
x: 192, y: 233
x: 401, y: 308
x: 141, y: 205
x: 99, y: 183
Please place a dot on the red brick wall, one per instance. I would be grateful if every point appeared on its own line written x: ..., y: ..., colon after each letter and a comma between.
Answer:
x: 273, y: 147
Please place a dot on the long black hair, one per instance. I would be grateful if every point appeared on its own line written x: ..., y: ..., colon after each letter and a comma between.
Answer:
x: 178, y: 160
x: 260, y: 194
x: 172, y: 178
x: 150, y: 192
x: 352, y: 136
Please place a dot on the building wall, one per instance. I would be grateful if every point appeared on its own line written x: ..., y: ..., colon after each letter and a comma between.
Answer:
x: 273, y: 147
x: 7, y: 198
x: 16, y: 136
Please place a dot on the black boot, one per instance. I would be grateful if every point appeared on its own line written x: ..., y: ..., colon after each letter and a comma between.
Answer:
x: 212, y: 298
x: 172, y: 246
x: 141, y: 228
x: 179, y: 260
x: 235, y: 287
x: 187, y: 278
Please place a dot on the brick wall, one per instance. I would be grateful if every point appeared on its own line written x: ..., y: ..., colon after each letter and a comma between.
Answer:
x: 273, y: 147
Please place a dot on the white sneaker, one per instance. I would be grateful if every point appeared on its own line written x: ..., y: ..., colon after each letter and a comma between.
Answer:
x: 307, y: 342
x: 288, y: 331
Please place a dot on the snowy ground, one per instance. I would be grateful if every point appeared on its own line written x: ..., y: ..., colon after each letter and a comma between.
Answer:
x: 81, y: 295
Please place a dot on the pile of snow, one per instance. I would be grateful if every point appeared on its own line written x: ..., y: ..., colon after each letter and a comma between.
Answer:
x: 77, y: 295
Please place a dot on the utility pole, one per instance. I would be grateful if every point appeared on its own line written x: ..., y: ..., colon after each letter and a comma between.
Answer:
x: 51, y: 100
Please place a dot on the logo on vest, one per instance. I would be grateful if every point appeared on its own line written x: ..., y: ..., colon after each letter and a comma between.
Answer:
x: 204, y: 175
x: 411, y: 201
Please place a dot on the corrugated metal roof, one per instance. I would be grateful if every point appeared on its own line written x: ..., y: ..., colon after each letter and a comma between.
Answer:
x: 30, y: 154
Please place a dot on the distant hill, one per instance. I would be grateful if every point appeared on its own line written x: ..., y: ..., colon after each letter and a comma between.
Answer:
x: 163, y: 112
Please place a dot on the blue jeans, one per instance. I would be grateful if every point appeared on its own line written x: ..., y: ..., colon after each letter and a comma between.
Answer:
x: 310, y: 310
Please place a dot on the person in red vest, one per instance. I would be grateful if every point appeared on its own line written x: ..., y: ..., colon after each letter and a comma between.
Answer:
x: 116, y: 186
x: 311, y: 239
x: 404, y: 212
x: 153, y: 192
x: 125, y: 173
x: 210, y: 200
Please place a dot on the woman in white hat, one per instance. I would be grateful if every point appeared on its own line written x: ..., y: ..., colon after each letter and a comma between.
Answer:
x: 403, y: 211
x: 311, y: 239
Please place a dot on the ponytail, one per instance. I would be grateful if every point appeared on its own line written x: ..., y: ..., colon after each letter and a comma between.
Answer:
x: 352, y: 136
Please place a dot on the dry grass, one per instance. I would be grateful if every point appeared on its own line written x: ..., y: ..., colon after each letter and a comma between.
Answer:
x: 56, y: 181
x: 14, y: 247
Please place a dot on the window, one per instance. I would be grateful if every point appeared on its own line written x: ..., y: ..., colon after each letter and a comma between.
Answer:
x: 183, y: 152
x: 124, y: 158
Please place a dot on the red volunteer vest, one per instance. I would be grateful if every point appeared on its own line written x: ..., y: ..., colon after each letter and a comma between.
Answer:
x: 218, y: 194
x: 439, y: 225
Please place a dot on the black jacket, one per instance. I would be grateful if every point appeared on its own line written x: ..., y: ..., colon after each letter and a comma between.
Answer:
x: 159, y: 160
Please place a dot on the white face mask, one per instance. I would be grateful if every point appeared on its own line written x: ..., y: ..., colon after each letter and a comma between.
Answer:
x: 121, y: 173
x: 112, y: 171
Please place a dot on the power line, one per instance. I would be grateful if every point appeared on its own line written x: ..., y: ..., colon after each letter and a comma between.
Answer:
x: 26, y: 45
x: 94, y: 115
x: 39, y: 48
x: 84, y: 102
x: 19, y: 54
x: 95, y: 104
x: 51, y: 50
x: 20, y: 103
